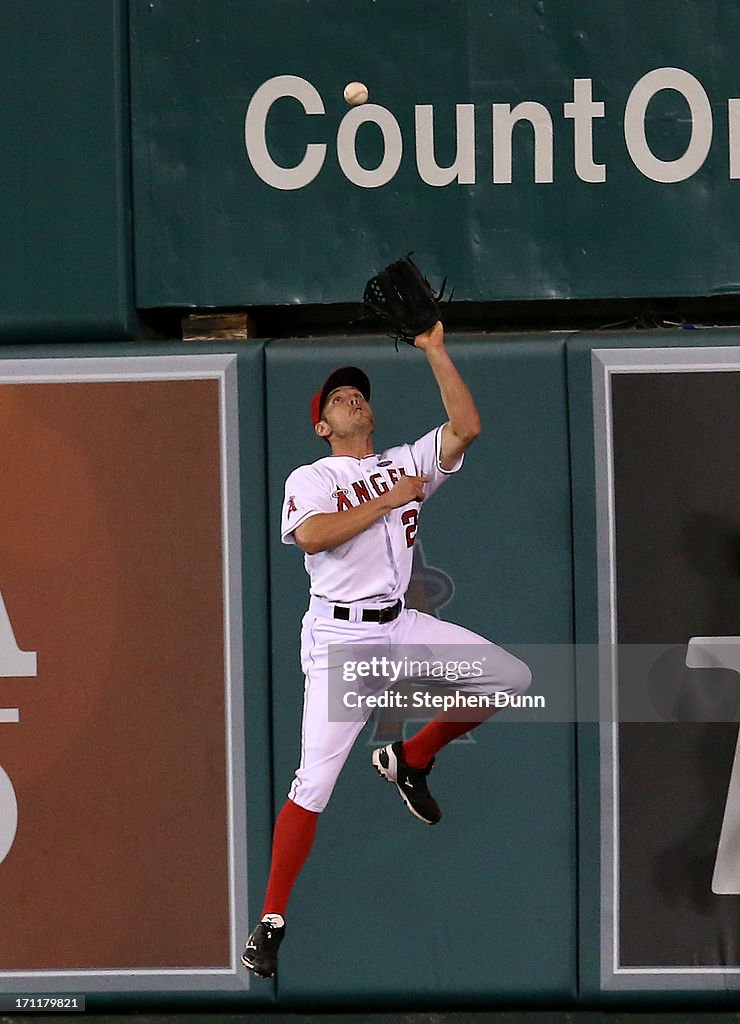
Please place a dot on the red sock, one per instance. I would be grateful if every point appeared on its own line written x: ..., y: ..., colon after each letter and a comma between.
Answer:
x: 421, y: 748
x: 292, y: 840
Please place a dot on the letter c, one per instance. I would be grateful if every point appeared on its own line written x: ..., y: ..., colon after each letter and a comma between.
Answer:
x: 286, y: 178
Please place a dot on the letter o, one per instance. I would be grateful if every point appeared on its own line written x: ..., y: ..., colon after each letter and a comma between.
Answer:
x: 691, y: 89
x: 392, y: 142
x: 8, y: 814
x: 255, y: 120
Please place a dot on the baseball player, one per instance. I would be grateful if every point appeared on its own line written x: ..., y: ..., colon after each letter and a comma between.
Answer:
x: 355, y: 514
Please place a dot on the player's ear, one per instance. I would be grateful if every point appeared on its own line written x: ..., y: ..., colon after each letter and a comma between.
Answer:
x: 322, y: 428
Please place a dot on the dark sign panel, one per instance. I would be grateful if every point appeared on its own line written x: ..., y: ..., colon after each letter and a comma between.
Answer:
x: 669, y: 456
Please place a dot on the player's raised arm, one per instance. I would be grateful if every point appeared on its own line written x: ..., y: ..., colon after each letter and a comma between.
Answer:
x: 464, y: 422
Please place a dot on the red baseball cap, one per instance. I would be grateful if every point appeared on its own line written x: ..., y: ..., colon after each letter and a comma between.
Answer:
x: 345, y: 376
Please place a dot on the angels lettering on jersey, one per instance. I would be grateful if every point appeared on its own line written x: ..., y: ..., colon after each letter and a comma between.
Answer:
x: 376, y: 564
x: 360, y: 489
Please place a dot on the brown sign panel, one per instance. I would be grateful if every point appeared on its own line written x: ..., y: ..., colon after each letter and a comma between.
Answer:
x: 112, y: 573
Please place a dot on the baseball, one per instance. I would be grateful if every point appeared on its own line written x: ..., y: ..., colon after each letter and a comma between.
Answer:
x: 355, y: 93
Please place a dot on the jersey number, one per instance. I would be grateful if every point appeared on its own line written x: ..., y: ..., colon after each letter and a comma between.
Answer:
x: 410, y: 520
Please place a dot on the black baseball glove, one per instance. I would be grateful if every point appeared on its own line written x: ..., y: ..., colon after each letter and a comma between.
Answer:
x: 402, y: 299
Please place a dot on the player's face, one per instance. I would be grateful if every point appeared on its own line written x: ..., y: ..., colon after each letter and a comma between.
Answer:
x: 348, y: 413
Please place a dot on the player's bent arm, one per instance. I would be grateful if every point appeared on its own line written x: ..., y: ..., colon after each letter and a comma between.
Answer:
x: 464, y: 422
x: 328, y: 530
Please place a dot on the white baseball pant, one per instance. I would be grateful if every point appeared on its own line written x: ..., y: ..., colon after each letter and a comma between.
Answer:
x: 325, y: 744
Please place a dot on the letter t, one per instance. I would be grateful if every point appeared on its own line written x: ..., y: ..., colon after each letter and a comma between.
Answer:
x: 583, y: 110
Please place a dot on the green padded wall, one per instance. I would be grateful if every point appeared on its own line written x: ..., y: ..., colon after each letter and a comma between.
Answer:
x: 65, y: 217
x: 636, y: 111
x: 481, y: 907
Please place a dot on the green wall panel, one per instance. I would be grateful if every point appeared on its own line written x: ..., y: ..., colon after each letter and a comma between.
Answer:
x: 482, y: 907
x: 65, y: 217
x: 637, y: 140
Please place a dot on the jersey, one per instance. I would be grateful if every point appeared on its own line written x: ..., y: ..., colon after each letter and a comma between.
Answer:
x: 375, y: 566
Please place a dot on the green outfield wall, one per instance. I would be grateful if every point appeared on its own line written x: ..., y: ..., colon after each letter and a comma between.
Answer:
x: 183, y: 154
x: 165, y: 156
x: 504, y: 857
x: 529, y: 151
x: 65, y: 216
x: 581, y: 853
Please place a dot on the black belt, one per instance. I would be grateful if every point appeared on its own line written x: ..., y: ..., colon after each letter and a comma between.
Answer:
x: 371, y: 614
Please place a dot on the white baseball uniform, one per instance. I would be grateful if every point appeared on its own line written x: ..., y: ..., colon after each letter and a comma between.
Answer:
x: 370, y: 571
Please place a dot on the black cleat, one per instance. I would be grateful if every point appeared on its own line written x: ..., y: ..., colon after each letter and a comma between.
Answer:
x: 410, y: 782
x: 260, y: 952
